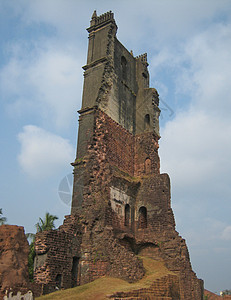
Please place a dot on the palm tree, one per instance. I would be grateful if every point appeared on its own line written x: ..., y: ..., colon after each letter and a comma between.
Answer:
x: 31, y: 258
x: 44, y: 224
x: 226, y: 292
x: 47, y: 223
x: 2, y: 219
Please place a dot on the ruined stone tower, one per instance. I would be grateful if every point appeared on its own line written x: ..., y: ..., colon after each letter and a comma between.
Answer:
x: 121, y: 203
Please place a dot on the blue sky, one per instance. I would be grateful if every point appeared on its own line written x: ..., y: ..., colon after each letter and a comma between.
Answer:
x: 43, y: 45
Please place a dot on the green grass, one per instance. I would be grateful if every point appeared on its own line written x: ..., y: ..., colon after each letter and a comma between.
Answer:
x: 103, y: 286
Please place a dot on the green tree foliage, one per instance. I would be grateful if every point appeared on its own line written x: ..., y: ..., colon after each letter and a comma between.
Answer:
x: 2, y: 219
x: 31, y: 261
x: 44, y: 224
x: 47, y: 223
x: 226, y: 292
x: 31, y: 256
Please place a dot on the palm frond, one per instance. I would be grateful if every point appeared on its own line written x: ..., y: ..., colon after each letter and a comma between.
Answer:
x: 47, y: 223
x: 2, y: 219
x: 30, y: 237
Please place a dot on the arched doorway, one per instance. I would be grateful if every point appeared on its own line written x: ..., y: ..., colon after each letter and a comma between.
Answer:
x: 142, y: 220
x: 58, y: 281
x: 127, y: 214
x: 74, y: 271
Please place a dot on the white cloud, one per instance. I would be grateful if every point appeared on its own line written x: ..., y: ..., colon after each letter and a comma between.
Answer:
x: 160, y: 23
x: 226, y: 234
x: 43, y: 153
x: 196, y: 145
x: 195, y: 149
x: 62, y: 16
x: 207, y: 54
x: 44, y: 79
x: 153, y: 21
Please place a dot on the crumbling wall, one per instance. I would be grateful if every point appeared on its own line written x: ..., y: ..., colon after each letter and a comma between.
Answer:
x: 57, y: 256
x: 119, y: 144
x: 14, y: 256
x: 14, y: 250
x: 146, y: 148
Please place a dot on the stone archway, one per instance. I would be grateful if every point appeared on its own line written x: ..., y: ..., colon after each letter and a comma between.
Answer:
x: 142, y: 220
x: 74, y: 271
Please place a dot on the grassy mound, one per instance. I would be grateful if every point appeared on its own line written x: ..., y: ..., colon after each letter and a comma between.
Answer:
x: 103, y: 286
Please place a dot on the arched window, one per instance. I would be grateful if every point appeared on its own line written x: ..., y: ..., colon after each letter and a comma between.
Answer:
x: 142, y: 220
x: 147, y: 122
x: 58, y: 281
x: 124, y: 67
x: 145, y: 79
x: 147, y: 166
x: 127, y: 215
x: 74, y: 270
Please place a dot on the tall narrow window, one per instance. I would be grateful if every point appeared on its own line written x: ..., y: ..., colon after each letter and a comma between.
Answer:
x: 142, y: 221
x: 147, y: 166
x: 127, y: 215
x: 145, y: 79
x: 74, y: 271
x: 124, y: 67
x: 147, y: 122
x: 58, y: 281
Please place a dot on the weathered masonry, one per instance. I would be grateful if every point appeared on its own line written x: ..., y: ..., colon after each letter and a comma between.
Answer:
x: 121, y: 203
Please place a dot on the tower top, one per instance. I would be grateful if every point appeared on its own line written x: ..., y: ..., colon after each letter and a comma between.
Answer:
x: 99, y: 21
x: 116, y: 81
